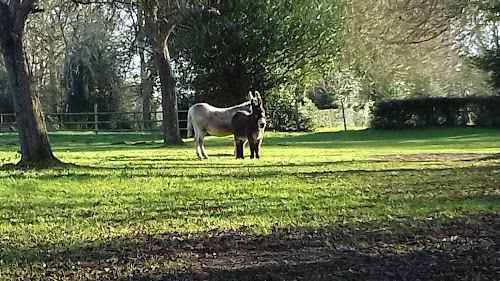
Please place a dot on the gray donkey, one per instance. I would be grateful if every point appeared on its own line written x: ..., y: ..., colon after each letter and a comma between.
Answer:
x: 205, y: 118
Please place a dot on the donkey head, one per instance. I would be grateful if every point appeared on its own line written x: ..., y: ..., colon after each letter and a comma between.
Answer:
x: 257, y: 109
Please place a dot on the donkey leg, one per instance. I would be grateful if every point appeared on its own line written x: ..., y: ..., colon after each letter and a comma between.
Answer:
x: 198, y: 147
x: 239, y: 148
x: 202, y: 145
x: 252, y: 148
x: 257, y: 148
x: 198, y: 141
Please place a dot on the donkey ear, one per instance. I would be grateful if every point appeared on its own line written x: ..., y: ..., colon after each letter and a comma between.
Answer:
x: 250, y: 96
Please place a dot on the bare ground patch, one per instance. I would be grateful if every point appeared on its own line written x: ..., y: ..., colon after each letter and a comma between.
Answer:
x: 461, y: 249
x: 438, y: 156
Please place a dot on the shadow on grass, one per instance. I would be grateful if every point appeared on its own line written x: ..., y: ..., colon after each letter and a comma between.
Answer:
x: 87, y: 141
x: 83, y: 172
x: 466, y: 248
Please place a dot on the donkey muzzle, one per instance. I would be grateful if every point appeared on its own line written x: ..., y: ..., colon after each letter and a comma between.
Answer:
x: 262, y: 122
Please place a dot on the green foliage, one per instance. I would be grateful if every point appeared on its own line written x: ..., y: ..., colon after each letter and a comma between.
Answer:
x: 288, y: 110
x: 343, y: 85
x: 491, y: 9
x: 490, y: 62
x: 322, y: 98
x: 376, y: 55
x: 256, y: 45
x: 486, y: 39
x: 6, y: 105
x: 91, y: 75
x: 431, y: 112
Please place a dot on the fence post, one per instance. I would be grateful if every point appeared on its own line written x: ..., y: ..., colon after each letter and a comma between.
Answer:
x: 343, y: 113
x: 1, y: 123
x: 96, y: 119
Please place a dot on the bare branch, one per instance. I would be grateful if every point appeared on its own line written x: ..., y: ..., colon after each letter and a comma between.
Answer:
x: 104, y: 2
x: 429, y: 38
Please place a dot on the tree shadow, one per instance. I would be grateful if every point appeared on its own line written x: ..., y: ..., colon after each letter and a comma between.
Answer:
x: 79, y: 141
x: 370, y: 138
x: 70, y: 170
x: 465, y: 248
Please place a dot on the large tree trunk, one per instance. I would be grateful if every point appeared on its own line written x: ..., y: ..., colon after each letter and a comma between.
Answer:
x: 171, y: 132
x: 35, y: 146
x: 161, y: 56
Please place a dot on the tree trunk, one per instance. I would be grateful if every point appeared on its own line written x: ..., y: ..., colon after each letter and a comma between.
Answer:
x: 146, y: 87
x: 35, y: 146
x: 343, y: 113
x: 146, y: 93
x: 161, y: 56
x: 171, y: 132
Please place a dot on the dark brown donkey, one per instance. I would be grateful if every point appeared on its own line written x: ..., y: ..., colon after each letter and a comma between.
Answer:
x: 249, y: 126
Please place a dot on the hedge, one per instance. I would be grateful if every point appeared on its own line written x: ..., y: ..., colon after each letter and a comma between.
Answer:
x: 481, y: 111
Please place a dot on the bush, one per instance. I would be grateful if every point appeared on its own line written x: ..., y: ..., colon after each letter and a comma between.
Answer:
x: 5, y: 94
x: 436, y: 111
x: 286, y: 113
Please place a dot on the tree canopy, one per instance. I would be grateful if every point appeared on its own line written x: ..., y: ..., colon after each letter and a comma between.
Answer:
x: 255, y: 45
x: 215, y: 51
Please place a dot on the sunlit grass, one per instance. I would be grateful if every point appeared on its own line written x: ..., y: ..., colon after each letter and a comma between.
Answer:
x: 128, y: 183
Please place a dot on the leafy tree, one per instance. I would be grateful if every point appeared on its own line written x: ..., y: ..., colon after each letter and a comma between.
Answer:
x: 255, y: 45
x: 406, y: 47
x: 161, y: 18
x: 489, y: 60
x: 6, y: 105
x: 45, y: 46
x: 91, y: 75
x: 484, y: 49
x: 35, y: 146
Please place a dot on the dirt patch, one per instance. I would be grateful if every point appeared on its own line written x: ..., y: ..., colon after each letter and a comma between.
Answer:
x: 460, y: 249
x: 456, y: 250
x: 438, y: 156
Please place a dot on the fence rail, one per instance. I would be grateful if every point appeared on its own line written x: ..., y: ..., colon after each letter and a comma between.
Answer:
x: 98, y: 121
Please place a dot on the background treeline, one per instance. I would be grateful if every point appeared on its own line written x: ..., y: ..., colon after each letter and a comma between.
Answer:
x: 302, y: 55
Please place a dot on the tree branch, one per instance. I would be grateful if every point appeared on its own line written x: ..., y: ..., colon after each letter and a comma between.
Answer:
x: 21, y: 15
x: 430, y: 37
x: 104, y: 2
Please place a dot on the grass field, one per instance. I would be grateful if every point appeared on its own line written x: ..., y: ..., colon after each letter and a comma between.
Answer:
x: 126, y: 188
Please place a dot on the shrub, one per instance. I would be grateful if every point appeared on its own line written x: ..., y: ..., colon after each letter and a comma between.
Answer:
x: 287, y: 112
x: 436, y: 111
x: 5, y: 94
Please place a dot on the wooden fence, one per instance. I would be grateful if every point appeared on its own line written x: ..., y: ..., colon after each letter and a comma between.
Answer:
x: 98, y: 121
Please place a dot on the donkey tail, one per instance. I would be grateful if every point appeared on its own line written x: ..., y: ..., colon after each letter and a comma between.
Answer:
x: 189, y: 124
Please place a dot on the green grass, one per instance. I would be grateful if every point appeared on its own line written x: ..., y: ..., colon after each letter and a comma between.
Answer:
x: 128, y: 184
